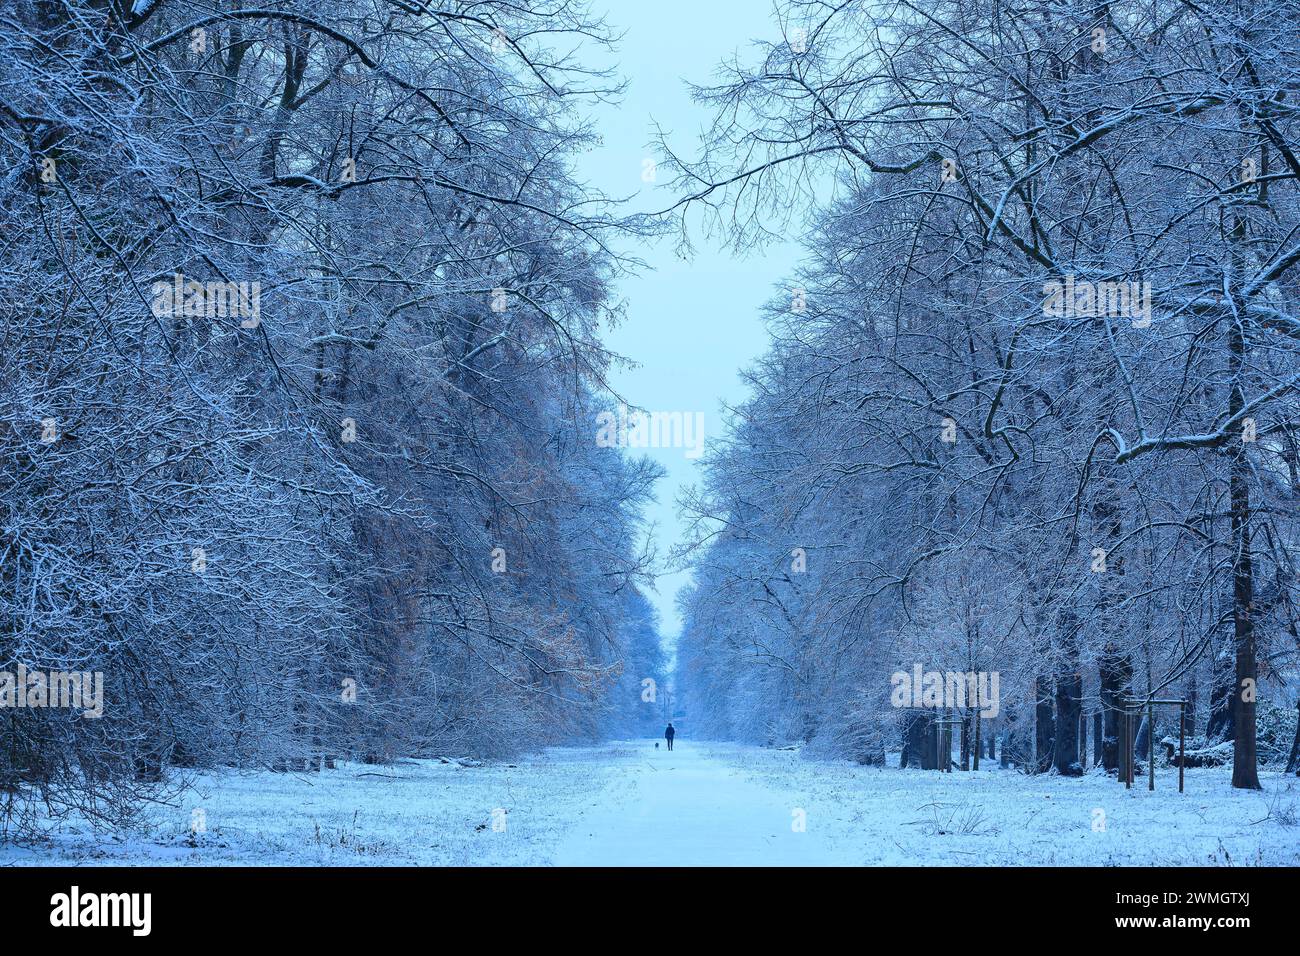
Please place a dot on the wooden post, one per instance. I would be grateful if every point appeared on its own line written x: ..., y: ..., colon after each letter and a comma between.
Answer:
x: 1182, y: 738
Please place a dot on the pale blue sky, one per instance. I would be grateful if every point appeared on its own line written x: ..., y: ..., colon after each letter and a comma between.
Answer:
x: 691, y: 325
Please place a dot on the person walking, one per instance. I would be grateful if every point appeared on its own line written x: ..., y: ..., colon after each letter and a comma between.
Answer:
x: 669, y: 734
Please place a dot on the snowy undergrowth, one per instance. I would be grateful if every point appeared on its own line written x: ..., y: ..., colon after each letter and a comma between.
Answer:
x: 998, y: 817
x: 629, y: 804
x: 413, y: 813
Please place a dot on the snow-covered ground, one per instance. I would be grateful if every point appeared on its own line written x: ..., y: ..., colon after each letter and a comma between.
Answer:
x: 629, y: 804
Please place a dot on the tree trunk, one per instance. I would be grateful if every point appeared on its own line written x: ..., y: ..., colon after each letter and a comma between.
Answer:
x: 934, y: 746
x: 1116, y: 672
x: 965, y: 743
x: 1143, y: 735
x: 1293, y: 761
x: 1017, y: 740
x: 1245, y: 771
x: 1221, y: 725
x: 918, y: 748
x: 1043, y: 729
x: 1069, y: 704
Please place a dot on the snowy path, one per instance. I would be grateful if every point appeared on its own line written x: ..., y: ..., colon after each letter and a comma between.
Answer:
x: 693, y: 807
x: 624, y: 803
